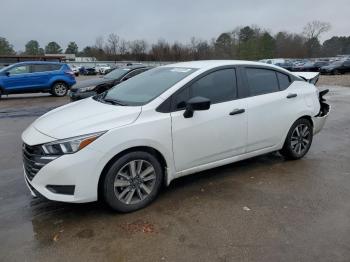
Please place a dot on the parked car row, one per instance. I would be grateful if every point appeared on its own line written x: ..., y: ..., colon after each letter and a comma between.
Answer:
x: 99, y: 85
x: 59, y: 78
x: 304, y: 65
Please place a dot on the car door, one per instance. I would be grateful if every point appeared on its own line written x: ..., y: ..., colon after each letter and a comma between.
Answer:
x: 41, y: 74
x: 271, y: 107
x: 214, y: 134
x: 18, y: 78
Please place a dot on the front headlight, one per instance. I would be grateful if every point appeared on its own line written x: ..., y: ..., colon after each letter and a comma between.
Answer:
x: 85, y: 89
x: 70, y: 145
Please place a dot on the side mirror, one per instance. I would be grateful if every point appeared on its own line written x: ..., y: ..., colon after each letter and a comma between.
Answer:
x: 7, y: 73
x: 197, y: 103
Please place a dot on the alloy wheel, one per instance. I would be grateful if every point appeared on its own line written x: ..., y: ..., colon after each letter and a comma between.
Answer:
x: 60, y: 89
x: 300, y: 139
x: 134, y: 181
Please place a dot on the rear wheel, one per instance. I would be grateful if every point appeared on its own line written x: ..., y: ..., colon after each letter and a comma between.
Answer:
x: 59, y: 89
x: 133, y: 181
x: 298, y: 140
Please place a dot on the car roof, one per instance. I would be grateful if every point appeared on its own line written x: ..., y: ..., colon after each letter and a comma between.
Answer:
x: 208, y: 64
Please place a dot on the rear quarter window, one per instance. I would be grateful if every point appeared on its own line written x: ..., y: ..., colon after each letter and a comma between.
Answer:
x: 283, y: 80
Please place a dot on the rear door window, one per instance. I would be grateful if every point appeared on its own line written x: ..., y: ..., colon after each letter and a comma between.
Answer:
x: 36, y: 68
x: 261, y: 81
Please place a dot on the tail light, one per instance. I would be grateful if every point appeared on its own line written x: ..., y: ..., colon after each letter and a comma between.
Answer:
x: 70, y: 72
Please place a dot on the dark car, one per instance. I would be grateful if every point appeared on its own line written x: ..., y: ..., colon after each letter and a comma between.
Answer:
x: 336, y: 68
x: 87, y: 71
x: 95, y: 86
x: 36, y: 76
x: 286, y: 65
x: 310, y: 66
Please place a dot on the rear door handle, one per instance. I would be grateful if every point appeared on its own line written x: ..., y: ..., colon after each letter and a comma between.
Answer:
x: 291, y: 96
x: 237, y: 111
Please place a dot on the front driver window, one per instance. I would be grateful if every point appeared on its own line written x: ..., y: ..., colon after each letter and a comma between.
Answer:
x: 19, y: 70
x: 219, y: 86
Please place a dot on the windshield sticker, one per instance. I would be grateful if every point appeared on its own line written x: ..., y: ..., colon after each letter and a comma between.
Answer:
x: 181, y: 70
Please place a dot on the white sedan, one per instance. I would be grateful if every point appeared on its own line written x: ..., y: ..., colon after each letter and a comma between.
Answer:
x: 168, y: 122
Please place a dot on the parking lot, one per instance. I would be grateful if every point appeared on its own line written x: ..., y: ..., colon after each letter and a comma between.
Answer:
x: 262, y: 209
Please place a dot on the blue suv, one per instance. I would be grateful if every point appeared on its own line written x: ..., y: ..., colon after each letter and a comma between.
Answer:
x: 31, y: 77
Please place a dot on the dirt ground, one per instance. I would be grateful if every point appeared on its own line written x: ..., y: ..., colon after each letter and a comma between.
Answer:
x: 337, y: 80
x: 262, y: 209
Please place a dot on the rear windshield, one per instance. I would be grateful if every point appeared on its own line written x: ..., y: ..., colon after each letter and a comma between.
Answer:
x: 145, y: 87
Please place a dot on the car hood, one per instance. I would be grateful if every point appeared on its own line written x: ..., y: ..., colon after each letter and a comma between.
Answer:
x: 92, y: 82
x: 85, y: 117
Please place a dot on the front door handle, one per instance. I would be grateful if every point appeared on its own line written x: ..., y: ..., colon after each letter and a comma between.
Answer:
x: 237, y: 111
x: 291, y: 96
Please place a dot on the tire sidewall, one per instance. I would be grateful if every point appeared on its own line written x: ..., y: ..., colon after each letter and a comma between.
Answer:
x: 287, y: 149
x: 53, y: 91
x: 108, y: 188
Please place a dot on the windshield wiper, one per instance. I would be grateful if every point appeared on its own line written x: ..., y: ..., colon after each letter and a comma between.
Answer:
x: 113, y: 101
x: 102, y: 98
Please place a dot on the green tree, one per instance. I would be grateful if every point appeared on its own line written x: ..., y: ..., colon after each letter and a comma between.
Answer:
x: 53, y: 48
x: 267, y: 46
x: 72, y: 48
x: 224, y: 46
x: 5, y: 47
x: 32, y: 48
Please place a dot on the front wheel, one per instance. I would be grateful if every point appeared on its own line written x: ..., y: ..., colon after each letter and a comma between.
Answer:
x: 133, y: 181
x: 59, y: 89
x: 298, y: 140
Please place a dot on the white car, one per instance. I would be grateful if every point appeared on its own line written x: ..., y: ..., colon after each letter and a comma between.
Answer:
x: 168, y: 122
x: 75, y: 69
x: 102, y: 68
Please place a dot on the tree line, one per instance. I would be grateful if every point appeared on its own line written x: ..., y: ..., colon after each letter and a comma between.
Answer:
x: 248, y: 42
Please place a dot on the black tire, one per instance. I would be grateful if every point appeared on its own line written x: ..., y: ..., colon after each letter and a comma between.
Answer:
x: 0, y: 93
x: 59, y: 89
x: 336, y: 72
x: 117, y: 174
x: 295, y: 146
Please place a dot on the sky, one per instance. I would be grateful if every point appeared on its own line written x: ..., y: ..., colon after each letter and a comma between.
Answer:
x: 83, y: 21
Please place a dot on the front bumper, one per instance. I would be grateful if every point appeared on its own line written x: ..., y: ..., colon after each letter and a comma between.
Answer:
x: 79, y: 171
x: 75, y: 96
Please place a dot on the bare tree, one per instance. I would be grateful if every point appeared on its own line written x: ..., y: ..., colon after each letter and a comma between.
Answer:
x: 112, y: 47
x: 99, y: 42
x: 123, y: 47
x: 315, y: 28
x: 138, y: 48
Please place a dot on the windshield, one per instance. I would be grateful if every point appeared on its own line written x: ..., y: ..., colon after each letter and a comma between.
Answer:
x: 337, y: 63
x: 5, y: 68
x: 117, y: 73
x: 143, y: 88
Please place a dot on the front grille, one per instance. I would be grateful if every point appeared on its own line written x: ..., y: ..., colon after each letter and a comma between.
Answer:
x: 34, y: 159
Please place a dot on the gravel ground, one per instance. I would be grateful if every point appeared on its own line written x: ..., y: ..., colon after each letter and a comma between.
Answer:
x: 336, y: 80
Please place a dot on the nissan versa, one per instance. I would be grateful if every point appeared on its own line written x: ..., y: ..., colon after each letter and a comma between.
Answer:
x: 171, y: 121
